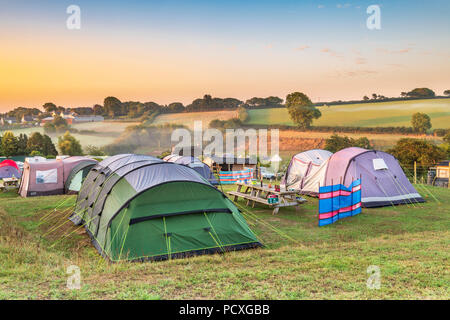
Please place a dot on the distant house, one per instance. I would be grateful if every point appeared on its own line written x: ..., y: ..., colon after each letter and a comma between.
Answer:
x: 72, y: 117
x: 8, y: 120
x: 46, y: 120
x: 27, y: 119
x: 65, y: 114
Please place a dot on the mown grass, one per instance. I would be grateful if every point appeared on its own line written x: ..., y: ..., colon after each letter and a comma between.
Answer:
x: 381, y: 114
x: 300, y: 260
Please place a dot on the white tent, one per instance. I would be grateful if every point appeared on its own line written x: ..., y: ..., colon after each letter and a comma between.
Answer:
x: 307, y: 170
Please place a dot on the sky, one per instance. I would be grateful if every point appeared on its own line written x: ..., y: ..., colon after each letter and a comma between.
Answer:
x: 176, y: 51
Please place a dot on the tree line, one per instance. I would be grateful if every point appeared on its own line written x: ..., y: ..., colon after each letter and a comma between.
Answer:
x: 38, y: 144
x: 113, y: 107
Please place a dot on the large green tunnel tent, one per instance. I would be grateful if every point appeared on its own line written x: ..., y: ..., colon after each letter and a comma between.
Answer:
x: 138, y: 207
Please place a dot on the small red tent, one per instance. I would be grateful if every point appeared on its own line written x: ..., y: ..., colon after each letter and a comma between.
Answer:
x: 9, y: 169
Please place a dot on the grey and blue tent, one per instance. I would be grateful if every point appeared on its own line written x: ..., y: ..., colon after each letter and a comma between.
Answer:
x: 194, y: 163
x: 138, y: 208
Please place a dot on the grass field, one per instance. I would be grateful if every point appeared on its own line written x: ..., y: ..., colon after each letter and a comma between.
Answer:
x: 300, y: 260
x: 188, y: 119
x: 105, y: 132
x: 381, y: 114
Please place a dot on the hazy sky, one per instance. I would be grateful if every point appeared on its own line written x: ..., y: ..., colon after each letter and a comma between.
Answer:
x: 166, y: 51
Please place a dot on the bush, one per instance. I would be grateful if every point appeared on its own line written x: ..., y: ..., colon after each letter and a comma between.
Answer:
x: 243, y: 114
x: 336, y: 143
x: 408, y: 151
x: 94, y: 151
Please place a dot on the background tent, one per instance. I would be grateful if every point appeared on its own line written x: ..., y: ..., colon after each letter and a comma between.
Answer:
x: 9, y: 169
x: 383, y: 181
x: 194, y: 163
x: 307, y: 170
x: 77, y: 175
x: 45, y: 178
x: 140, y: 207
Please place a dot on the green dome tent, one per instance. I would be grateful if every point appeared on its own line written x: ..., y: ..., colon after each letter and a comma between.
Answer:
x: 138, y: 207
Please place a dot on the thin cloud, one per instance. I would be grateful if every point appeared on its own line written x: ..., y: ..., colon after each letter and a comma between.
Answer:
x: 301, y: 48
x: 320, y: 6
x: 330, y: 52
x: 401, y: 51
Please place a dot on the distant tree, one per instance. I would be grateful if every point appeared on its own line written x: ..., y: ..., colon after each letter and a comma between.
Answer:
x: 365, y: 98
x: 301, y: 109
x: 22, y: 142
x: 447, y: 92
x: 98, y: 109
x: 9, y: 144
x: 374, y: 96
x: 49, y: 127
x: 408, y: 151
x: 447, y: 137
x: 49, y: 107
x: 243, y: 114
x: 36, y: 153
x: 175, y: 107
x: 60, y: 123
x: 404, y: 94
x: 35, y: 142
x: 68, y: 145
x: 113, y: 106
x: 421, y: 122
x: 48, y: 148
x: 421, y: 93
x: 94, y: 151
x: 336, y: 143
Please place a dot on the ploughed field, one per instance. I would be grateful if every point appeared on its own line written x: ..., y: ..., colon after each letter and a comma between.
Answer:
x: 299, y: 261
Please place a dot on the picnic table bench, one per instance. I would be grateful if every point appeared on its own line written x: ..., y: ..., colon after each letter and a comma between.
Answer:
x: 255, y: 193
x: 9, y: 184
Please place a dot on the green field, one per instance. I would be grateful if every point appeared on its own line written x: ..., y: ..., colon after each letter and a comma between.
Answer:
x: 381, y: 114
x: 299, y: 261
x: 189, y: 118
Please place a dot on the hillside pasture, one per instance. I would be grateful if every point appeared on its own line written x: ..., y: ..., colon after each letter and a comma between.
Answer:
x: 188, y: 118
x: 98, y: 133
x: 381, y: 114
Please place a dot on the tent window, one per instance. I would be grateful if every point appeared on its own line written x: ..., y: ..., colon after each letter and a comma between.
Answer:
x: 379, y: 164
x: 47, y: 176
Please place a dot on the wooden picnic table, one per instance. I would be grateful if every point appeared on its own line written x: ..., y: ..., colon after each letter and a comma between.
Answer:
x: 254, y: 193
x: 10, y: 183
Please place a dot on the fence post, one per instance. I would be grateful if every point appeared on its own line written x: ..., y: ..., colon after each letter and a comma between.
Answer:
x: 415, y: 172
x: 448, y: 179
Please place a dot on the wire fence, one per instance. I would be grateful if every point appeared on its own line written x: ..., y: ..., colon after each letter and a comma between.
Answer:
x: 429, y: 174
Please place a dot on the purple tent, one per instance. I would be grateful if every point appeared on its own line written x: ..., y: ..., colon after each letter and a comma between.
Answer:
x: 383, y: 181
x: 9, y: 169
